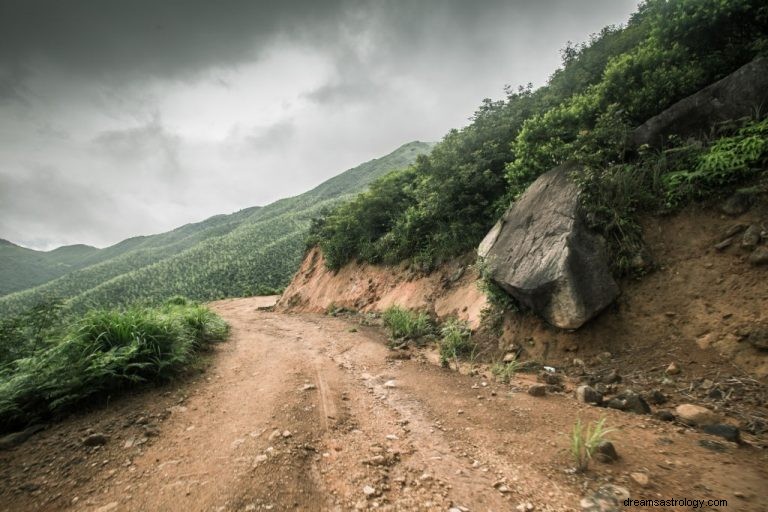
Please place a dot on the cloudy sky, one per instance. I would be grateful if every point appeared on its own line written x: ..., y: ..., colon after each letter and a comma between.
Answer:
x: 129, y: 117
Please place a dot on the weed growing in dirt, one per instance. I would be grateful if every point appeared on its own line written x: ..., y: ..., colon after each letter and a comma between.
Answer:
x: 406, y: 325
x: 585, y: 440
x: 102, y: 352
x: 456, y: 340
x: 504, y: 371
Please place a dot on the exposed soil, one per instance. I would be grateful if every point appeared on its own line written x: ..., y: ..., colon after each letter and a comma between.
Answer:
x: 310, y: 412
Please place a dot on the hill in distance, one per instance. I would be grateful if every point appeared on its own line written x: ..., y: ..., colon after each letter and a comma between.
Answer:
x: 255, y: 250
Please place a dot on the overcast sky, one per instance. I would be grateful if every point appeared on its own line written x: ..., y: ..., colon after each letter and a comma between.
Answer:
x: 120, y: 118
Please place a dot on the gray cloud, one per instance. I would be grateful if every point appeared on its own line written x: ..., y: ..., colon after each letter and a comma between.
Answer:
x: 120, y: 118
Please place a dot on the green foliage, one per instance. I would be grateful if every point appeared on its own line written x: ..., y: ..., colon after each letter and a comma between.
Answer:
x: 254, y: 251
x: 728, y: 161
x: 406, y: 325
x: 455, y: 341
x: 504, y: 371
x: 448, y: 200
x: 102, y: 352
x: 584, y: 441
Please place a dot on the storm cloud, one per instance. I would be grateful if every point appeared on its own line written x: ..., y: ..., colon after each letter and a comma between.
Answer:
x: 120, y: 118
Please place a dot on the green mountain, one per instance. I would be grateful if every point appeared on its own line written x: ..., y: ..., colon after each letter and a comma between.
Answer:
x: 251, y: 251
x: 22, y: 268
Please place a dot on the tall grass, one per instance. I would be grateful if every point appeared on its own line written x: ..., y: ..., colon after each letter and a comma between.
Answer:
x: 102, y: 352
x: 456, y: 340
x: 585, y: 440
x: 405, y: 324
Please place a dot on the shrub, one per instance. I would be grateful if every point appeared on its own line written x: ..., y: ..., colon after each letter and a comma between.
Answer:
x: 102, y: 352
x: 405, y: 324
x: 504, y: 371
x: 456, y: 340
x: 584, y: 442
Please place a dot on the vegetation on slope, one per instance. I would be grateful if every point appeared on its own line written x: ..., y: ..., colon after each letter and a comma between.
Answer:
x: 253, y: 251
x: 50, y: 363
x: 22, y: 268
x: 446, y: 203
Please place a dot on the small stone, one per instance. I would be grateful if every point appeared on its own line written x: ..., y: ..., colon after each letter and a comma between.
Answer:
x: 537, y: 390
x: 96, y: 440
x: 369, y: 491
x: 672, y: 369
x: 107, y: 507
x: 390, y: 384
x: 274, y: 435
x: 635, y: 403
x: 525, y: 507
x: 656, y: 397
x: 612, y: 377
x: 665, y: 415
x: 751, y: 237
x: 640, y: 479
x: 588, y: 395
x: 392, y: 437
x: 728, y: 432
x: 759, y: 256
x: 286, y: 434
x: 695, y: 415
x: 607, y: 451
x: 509, y: 357
x: 712, y: 445
x: 308, y: 387
x: 608, y: 498
x: 738, y: 203
x: 724, y: 244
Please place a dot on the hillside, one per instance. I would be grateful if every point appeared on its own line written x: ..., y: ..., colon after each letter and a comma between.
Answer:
x: 251, y: 251
x: 22, y: 268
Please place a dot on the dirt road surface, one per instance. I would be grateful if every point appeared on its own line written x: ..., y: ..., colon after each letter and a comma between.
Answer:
x: 314, y: 413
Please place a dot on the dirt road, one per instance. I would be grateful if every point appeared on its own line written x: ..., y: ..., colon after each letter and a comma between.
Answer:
x: 313, y: 413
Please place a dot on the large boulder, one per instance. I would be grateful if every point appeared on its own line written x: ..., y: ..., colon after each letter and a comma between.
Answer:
x: 738, y: 95
x: 543, y: 254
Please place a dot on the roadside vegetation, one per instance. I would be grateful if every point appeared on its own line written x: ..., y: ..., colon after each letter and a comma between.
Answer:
x: 405, y: 325
x: 51, y: 363
x: 585, y: 440
x: 446, y: 202
x: 455, y: 341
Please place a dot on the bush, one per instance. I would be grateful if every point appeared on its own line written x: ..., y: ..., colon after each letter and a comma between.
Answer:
x: 406, y: 325
x: 504, y: 371
x: 456, y: 340
x: 102, y: 352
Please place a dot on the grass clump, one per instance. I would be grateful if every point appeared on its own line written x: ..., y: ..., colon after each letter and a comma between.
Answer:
x: 504, y: 371
x: 102, y: 352
x: 456, y: 340
x: 585, y: 440
x: 406, y: 325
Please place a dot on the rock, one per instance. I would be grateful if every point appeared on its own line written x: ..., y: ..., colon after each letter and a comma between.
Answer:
x: 672, y: 369
x: 274, y: 435
x: 695, y: 415
x: 553, y: 379
x: 751, y: 237
x: 759, y: 256
x: 96, y: 440
x: 733, y: 97
x: 259, y: 459
x: 537, y: 390
x: 369, y: 491
x: 509, y: 357
x: 390, y: 384
x: 546, y: 256
x: 738, y: 203
x: 108, y: 507
x: 17, y: 438
x: 656, y: 397
x: 728, y: 432
x: 635, y: 403
x: 525, y: 507
x: 715, y: 394
x: 758, y: 338
x: 665, y: 415
x: 308, y: 387
x: 713, y: 445
x: 608, y: 498
x: 724, y: 244
x: 615, y: 403
x: 286, y: 434
x: 606, y: 452
x: 612, y: 377
x: 640, y: 479
x: 588, y: 395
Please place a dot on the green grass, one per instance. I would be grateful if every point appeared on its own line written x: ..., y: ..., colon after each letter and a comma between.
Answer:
x: 505, y: 371
x: 98, y: 354
x: 455, y: 341
x: 585, y: 440
x: 406, y: 325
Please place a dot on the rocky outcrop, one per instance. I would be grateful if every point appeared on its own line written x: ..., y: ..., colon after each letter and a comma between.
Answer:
x: 738, y: 95
x: 544, y: 255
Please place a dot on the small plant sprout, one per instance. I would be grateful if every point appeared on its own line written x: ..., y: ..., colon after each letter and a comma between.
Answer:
x: 585, y: 440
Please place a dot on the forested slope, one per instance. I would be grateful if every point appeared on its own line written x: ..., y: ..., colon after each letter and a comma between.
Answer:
x: 252, y: 251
